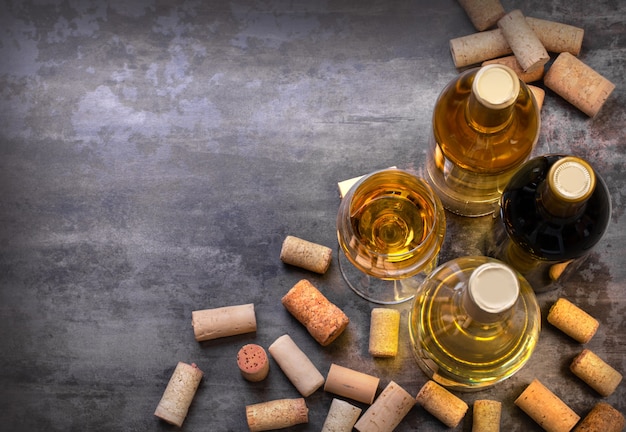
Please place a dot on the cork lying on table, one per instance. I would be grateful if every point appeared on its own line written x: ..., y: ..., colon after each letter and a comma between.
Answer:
x: 387, y: 411
x: 578, y: 84
x: 296, y: 365
x: 546, y: 409
x: 487, y: 414
x: 253, y: 362
x: 602, y: 418
x: 276, y: 414
x: 572, y: 320
x: 384, y: 332
x: 483, y: 14
x: 305, y: 254
x: 441, y: 403
x: 178, y: 394
x: 341, y: 417
x: 322, y: 319
x: 598, y: 374
x: 352, y: 384
x: 524, y: 42
x: 221, y: 322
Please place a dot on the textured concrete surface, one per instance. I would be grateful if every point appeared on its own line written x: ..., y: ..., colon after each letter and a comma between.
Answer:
x: 154, y: 155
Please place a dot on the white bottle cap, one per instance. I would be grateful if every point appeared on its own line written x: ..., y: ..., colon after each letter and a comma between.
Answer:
x: 572, y: 179
x: 496, y: 86
x: 493, y: 287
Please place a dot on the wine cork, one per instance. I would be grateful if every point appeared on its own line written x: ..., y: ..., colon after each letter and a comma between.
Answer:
x: 483, y: 14
x: 296, y: 365
x: 487, y: 414
x: 578, y: 84
x: 442, y: 404
x: 276, y: 414
x: 539, y: 95
x: 557, y: 37
x: 179, y: 393
x: 556, y: 270
x: 341, y: 417
x: 305, y: 254
x: 572, y: 320
x: 511, y: 61
x: 322, y: 319
x: 351, y: 384
x: 222, y: 322
x: 602, y: 418
x: 387, y: 411
x: 600, y: 376
x: 525, y: 44
x: 253, y: 362
x: 478, y: 47
x: 384, y: 332
x: 546, y: 409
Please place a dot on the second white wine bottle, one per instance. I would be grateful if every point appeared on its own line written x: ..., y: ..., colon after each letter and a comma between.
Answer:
x: 485, y: 125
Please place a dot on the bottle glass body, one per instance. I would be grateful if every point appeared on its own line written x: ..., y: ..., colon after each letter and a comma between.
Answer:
x: 532, y: 240
x: 474, y: 151
x: 459, y: 351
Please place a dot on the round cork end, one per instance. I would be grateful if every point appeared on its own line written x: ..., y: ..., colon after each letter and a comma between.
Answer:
x: 572, y: 179
x: 496, y: 86
x: 253, y: 362
x: 493, y: 288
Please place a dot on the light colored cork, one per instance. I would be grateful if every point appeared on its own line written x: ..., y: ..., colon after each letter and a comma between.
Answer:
x: 295, y: 364
x: 487, y: 415
x: 305, y: 254
x: 478, y: 47
x: 546, y: 409
x: 322, y: 319
x: 556, y: 270
x: 441, y: 403
x: 276, y: 414
x: 387, y: 411
x: 525, y: 44
x: 253, y: 362
x: 539, y: 94
x: 572, y: 320
x: 483, y: 14
x: 178, y: 394
x: 351, y: 384
x: 578, y: 84
x: 557, y: 37
x: 222, y: 322
x: 341, y: 416
x: 384, y: 332
x: 602, y: 418
x: 598, y: 374
x: 511, y: 61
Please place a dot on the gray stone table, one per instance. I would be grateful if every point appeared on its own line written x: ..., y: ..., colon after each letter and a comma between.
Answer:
x: 155, y: 154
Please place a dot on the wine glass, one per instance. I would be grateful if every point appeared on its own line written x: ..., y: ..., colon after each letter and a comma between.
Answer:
x: 390, y: 227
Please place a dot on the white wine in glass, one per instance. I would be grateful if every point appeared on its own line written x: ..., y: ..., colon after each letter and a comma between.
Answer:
x: 390, y: 228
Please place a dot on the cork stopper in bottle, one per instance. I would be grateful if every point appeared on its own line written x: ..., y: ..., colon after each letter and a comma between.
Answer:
x: 571, y: 179
x: 492, y: 290
x: 496, y: 86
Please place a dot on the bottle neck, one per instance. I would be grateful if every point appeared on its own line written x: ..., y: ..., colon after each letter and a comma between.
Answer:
x: 567, y: 188
x: 487, y: 120
x: 492, y: 290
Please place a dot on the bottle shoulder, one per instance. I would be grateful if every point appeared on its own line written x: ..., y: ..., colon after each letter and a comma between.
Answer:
x: 483, y: 151
x: 541, y: 234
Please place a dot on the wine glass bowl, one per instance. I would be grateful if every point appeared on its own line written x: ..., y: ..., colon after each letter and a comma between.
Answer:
x: 390, y: 227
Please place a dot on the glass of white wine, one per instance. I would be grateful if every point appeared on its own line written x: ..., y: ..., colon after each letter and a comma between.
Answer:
x: 390, y: 228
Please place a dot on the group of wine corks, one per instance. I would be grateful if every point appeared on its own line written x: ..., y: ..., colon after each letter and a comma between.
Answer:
x: 552, y: 413
x: 524, y: 44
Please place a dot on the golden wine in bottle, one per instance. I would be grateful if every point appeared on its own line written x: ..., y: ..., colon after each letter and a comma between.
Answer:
x: 474, y: 322
x: 485, y: 125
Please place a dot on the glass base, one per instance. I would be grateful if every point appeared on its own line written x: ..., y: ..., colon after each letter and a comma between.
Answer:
x: 377, y: 290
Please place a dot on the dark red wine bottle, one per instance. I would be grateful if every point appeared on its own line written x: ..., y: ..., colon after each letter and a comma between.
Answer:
x: 553, y: 211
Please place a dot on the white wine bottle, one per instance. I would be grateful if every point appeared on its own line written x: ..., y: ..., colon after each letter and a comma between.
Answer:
x: 485, y: 125
x: 474, y: 322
